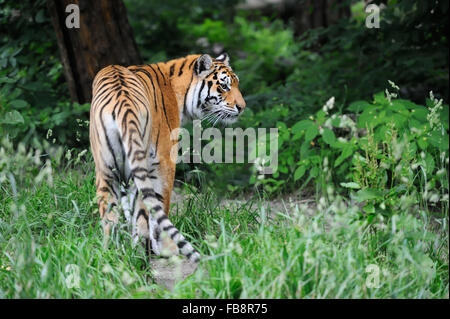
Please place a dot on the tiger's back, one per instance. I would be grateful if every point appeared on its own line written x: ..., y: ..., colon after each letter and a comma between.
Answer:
x: 134, y: 110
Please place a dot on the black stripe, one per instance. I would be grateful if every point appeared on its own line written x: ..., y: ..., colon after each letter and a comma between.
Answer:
x: 162, y: 75
x: 142, y: 212
x: 162, y: 97
x: 167, y: 228
x: 110, y: 185
x: 153, y: 85
x: 105, y: 189
x: 181, y: 68
x: 174, y: 234
x: 139, y: 170
x: 192, y: 62
x: 187, y: 90
x: 157, y: 140
x: 144, y: 177
x: 159, y: 197
x: 147, y: 192
x: 161, y: 219
x: 181, y: 244
x: 108, y: 142
x: 199, y: 93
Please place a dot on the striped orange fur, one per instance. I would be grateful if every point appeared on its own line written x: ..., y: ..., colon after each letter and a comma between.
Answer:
x: 133, y: 112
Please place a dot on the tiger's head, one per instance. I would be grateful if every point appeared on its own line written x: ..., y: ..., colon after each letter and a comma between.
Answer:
x: 215, y: 91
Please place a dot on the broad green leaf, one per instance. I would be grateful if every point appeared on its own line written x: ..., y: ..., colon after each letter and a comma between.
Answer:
x: 18, y: 104
x: 420, y: 113
x: 314, y: 172
x: 7, y: 80
x: 439, y: 140
x: 403, y: 104
x: 346, y: 152
x: 320, y: 117
x: 380, y: 98
x: 40, y: 16
x: 351, y: 185
x: 311, y: 132
x: 368, y: 193
x: 328, y: 136
x: 12, y: 118
x: 283, y: 169
x: 422, y: 142
x: 358, y: 106
x: 397, y: 106
x: 369, y: 208
x: 299, y: 172
x: 367, y: 117
x: 297, y: 136
x: 301, y: 126
x: 305, y: 150
x: 429, y: 161
x: 399, y: 121
x: 281, y: 126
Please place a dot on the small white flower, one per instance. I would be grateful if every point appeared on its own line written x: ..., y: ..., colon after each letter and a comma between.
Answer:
x: 393, y: 85
x: 328, y: 105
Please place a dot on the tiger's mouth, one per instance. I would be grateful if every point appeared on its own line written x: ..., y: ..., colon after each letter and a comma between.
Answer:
x: 223, y: 115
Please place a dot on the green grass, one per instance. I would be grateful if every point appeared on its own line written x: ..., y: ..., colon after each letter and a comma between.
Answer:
x: 251, y: 252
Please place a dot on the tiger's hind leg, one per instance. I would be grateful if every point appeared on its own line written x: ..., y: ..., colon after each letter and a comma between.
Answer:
x: 107, y: 203
x: 144, y: 228
x: 165, y: 238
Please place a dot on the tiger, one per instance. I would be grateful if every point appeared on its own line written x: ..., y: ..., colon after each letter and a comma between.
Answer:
x: 134, y: 111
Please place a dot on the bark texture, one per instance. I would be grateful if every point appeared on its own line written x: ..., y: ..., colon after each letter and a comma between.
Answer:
x: 104, y: 37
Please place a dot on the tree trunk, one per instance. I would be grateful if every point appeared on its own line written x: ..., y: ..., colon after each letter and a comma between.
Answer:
x: 104, y: 37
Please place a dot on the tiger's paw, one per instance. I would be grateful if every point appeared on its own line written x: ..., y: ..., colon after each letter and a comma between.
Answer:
x: 168, y: 247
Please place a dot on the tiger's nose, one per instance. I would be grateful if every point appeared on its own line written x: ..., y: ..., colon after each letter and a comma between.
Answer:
x: 239, y: 108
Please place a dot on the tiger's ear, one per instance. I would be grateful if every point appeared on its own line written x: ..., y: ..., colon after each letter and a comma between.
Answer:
x: 203, y: 65
x: 224, y: 58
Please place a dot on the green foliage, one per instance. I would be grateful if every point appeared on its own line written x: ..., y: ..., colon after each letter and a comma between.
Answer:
x: 33, y: 93
x: 157, y: 28
x: 391, y: 152
x: 261, y: 51
x: 48, y: 222
x: 411, y: 47
x: 325, y: 255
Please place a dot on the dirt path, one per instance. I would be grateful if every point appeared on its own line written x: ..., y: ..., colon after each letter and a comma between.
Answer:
x: 167, y: 272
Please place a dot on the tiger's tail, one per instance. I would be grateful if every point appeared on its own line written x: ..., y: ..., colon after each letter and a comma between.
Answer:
x: 164, y: 236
